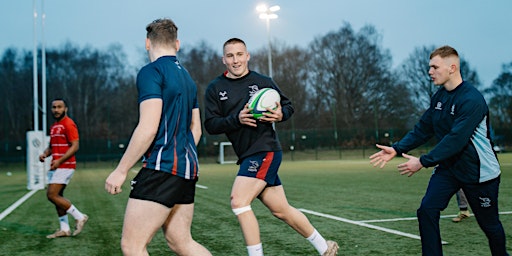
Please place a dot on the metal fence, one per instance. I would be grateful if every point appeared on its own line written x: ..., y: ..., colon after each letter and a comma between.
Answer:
x: 297, y: 144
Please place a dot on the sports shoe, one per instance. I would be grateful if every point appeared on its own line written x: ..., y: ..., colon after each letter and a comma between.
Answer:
x: 80, y: 225
x: 462, y: 215
x: 332, y: 248
x: 59, y: 233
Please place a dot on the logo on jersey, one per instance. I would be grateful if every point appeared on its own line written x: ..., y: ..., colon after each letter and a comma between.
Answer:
x: 439, y: 106
x: 254, y: 166
x: 253, y: 89
x: 177, y: 64
x: 453, y: 110
x: 223, y: 95
x: 485, y: 202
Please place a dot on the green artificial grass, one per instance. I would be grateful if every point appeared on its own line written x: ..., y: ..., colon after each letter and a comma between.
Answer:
x: 348, y: 189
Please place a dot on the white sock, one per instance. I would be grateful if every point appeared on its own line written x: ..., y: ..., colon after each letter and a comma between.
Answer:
x: 64, y: 223
x: 75, y: 213
x: 255, y: 250
x: 318, y: 242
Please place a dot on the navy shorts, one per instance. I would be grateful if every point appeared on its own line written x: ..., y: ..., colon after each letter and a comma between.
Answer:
x: 263, y: 166
x: 162, y: 187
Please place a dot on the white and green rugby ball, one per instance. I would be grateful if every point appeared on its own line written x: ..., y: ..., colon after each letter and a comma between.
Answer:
x: 263, y: 99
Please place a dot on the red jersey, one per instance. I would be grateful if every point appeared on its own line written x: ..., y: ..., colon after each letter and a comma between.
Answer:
x: 61, y: 134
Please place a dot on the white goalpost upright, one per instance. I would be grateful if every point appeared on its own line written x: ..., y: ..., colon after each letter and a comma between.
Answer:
x: 226, y: 151
x: 36, y: 170
x: 37, y: 140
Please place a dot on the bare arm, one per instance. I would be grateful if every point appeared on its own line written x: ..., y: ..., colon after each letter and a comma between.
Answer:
x: 142, y: 137
x: 46, y: 153
x: 195, y: 126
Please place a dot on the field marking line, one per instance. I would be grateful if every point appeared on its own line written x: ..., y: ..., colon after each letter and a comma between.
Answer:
x: 16, y: 204
x: 362, y: 224
x: 415, y: 218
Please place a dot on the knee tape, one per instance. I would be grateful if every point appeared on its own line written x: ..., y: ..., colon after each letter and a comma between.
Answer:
x: 241, y: 210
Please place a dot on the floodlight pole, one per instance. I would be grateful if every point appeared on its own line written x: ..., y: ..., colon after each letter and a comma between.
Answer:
x: 268, y: 13
x: 35, y: 84
x: 43, y: 73
x: 269, y: 49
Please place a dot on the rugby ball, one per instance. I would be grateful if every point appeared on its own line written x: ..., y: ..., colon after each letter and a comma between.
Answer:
x: 263, y: 99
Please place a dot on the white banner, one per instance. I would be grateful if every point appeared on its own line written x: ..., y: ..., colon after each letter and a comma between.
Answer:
x: 36, y: 171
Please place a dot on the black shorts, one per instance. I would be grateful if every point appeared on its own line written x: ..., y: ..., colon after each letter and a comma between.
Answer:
x: 163, y: 188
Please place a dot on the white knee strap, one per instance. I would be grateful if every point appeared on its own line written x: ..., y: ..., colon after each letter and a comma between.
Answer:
x: 241, y: 210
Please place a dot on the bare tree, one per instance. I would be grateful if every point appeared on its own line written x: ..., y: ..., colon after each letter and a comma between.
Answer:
x: 500, y: 94
x: 290, y: 71
x: 348, y: 69
x: 16, y: 97
x: 203, y: 63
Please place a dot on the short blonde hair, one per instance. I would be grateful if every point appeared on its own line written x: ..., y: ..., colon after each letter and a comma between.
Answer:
x: 162, y: 32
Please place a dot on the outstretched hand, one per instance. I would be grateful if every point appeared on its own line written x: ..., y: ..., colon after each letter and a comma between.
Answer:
x: 383, y: 156
x: 410, y: 167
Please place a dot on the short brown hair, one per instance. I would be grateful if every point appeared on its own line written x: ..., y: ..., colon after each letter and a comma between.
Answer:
x: 234, y: 40
x: 444, y: 51
x: 162, y: 31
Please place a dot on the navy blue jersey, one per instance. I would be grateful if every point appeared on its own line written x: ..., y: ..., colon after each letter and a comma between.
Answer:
x: 226, y: 97
x: 459, y: 120
x: 173, y: 149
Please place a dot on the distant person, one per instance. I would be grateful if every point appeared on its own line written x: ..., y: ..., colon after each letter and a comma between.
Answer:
x: 166, y: 136
x: 257, y: 147
x: 64, y: 143
x: 458, y: 117
x: 462, y: 203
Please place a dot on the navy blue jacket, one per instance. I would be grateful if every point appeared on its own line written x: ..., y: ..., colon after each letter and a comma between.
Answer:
x: 459, y: 120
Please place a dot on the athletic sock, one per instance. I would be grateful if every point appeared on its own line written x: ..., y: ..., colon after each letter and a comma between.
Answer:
x: 75, y: 213
x: 318, y: 242
x: 255, y: 250
x: 64, y: 223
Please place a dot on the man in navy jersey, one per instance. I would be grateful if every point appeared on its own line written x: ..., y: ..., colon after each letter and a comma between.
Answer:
x: 257, y: 147
x: 458, y: 117
x: 166, y: 136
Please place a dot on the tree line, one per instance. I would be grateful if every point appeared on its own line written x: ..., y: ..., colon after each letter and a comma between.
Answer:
x: 342, y: 81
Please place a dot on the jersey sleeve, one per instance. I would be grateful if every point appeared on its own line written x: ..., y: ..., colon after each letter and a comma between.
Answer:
x: 148, y: 84
x: 215, y: 122
x: 286, y: 104
x: 71, y: 131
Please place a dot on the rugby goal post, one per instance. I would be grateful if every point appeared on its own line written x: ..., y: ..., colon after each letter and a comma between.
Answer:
x: 226, y: 153
x: 37, y: 142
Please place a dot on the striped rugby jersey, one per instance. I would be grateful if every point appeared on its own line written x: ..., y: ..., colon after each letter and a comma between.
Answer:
x: 62, y: 133
x: 173, y: 150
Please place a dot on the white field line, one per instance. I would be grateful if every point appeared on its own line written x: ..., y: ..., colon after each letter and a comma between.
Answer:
x: 414, y: 218
x: 363, y: 224
x: 16, y: 204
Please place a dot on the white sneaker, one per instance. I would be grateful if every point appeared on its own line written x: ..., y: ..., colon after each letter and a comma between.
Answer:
x: 80, y: 225
x: 332, y: 248
x: 59, y: 233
